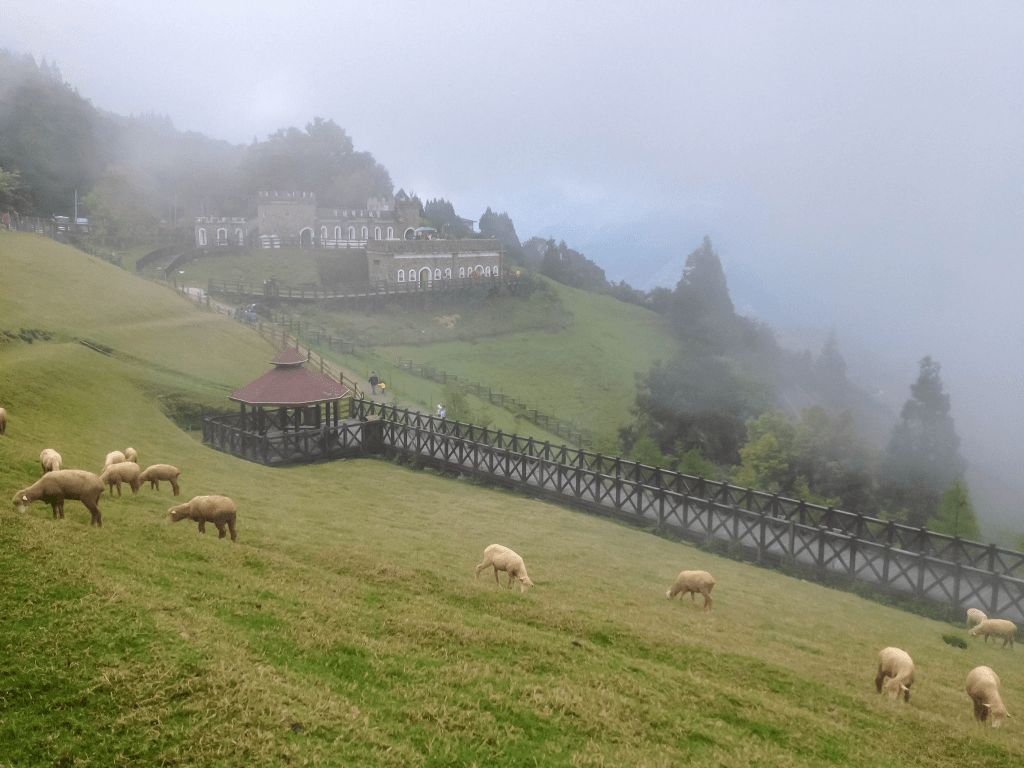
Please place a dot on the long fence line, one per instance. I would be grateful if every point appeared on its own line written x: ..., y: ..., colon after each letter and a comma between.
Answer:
x: 564, y: 429
x: 769, y: 528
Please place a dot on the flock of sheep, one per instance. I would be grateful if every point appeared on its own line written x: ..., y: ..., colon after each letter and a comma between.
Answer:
x: 982, y: 682
x: 58, y: 484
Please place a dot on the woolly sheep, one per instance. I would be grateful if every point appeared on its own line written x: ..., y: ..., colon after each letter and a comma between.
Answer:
x: 998, y: 627
x: 50, y: 460
x: 54, y: 487
x: 983, y: 688
x: 154, y: 473
x: 3, y: 421
x: 504, y: 559
x: 114, y: 457
x: 693, y: 582
x: 975, y: 616
x: 219, y: 510
x: 122, y: 472
x: 897, y: 664
x: 130, y: 454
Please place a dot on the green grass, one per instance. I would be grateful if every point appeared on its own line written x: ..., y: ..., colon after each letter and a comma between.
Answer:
x: 345, y: 626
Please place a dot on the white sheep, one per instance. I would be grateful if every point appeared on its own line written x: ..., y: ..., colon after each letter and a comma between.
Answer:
x: 130, y: 454
x: 983, y: 688
x: 693, y: 582
x: 3, y: 421
x: 122, y: 472
x: 50, y: 460
x: 154, y: 473
x: 54, y: 487
x: 975, y: 616
x: 504, y: 559
x: 998, y: 628
x: 897, y: 664
x: 114, y: 457
x: 219, y: 510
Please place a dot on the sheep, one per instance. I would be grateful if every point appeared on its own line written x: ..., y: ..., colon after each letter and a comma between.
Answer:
x: 54, y: 487
x: 983, y: 688
x: 504, y: 559
x: 897, y: 664
x: 50, y: 460
x: 693, y: 582
x: 975, y: 616
x: 154, y: 473
x: 219, y: 510
x: 122, y: 472
x: 130, y: 454
x: 114, y: 457
x: 3, y: 422
x: 998, y: 627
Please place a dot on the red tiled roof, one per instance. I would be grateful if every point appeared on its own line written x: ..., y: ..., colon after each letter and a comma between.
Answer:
x: 290, y: 386
x: 288, y: 356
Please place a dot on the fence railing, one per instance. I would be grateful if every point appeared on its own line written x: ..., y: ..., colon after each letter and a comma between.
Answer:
x: 770, y: 528
x: 561, y: 427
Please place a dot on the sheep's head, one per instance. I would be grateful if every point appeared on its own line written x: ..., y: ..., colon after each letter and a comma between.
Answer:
x: 897, y: 690
x: 524, y: 582
x: 996, y: 714
x: 20, y: 501
x: 174, y: 514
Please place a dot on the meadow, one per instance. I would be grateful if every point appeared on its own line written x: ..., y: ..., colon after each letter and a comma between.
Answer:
x: 345, y: 627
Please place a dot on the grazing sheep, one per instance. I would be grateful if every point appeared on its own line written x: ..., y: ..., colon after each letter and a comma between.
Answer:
x: 983, y: 688
x: 219, y: 510
x: 50, y: 460
x: 114, y: 457
x: 54, y: 487
x: 154, y: 473
x: 975, y: 616
x: 897, y: 664
x: 504, y: 559
x: 3, y: 421
x: 131, y: 455
x: 998, y: 627
x: 122, y: 472
x: 693, y: 582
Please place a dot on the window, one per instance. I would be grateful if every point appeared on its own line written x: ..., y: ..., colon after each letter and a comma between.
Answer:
x: 487, y: 271
x: 401, y: 275
x: 437, y: 274
x: 323, y: 234
x: 365, y: 233
x: 462, y: 271
x: 351, y: 233
x: 391, y: 233
x: 240, y: 237
x: 222, y: 236
x: 202, y: 236
x: 447, y: 274
x: 337, y: 233
x: 376, y: 234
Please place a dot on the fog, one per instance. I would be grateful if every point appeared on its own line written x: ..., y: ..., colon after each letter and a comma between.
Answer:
x: 857, y: 166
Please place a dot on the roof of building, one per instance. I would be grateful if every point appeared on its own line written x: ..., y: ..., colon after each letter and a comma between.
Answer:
x: 290, y: 384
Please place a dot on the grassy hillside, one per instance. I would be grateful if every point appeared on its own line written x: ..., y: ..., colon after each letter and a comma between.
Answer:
x: 345, y: 626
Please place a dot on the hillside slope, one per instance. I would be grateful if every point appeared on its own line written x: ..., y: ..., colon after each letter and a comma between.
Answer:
x: 345, y: 626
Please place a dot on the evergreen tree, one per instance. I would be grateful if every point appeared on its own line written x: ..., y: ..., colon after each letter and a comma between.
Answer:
x: 955, y: 514
x: 922, y: 458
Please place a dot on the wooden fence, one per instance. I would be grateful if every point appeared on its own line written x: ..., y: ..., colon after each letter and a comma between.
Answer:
x: 564, y: 429
x: 768, y: 528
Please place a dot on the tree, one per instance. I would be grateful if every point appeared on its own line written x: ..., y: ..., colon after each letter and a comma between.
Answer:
x: 922, y: 458
x: 955, y: 514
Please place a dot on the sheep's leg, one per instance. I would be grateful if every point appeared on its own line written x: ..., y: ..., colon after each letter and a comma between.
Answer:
x: 202, y: 526
x: 220, y: 529
x: 496, y: 576
x: 879, y: 679
x: 174, y: 486
x: 94, y: 510
x: 707, y: 602
x: 231, y: 527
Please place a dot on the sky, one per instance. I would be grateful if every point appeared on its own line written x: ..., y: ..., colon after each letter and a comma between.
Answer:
x: 858, y: 166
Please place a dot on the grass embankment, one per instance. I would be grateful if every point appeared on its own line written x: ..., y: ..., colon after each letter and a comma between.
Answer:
x: 345, y: 626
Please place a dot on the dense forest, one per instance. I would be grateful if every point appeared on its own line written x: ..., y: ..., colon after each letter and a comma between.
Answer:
x: 731, y: 404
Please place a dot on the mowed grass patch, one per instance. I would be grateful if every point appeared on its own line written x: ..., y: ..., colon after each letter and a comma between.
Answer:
x: 346, y: 626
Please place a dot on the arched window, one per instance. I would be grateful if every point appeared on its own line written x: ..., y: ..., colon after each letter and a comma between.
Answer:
x: 391, y: 233
x: 202, y: 236
x: 410, y: 234
x: 487, y: 271
x: 240, y: 236
x: 376, y: 234
x: 447, y: 274
x: 365, y: 233
x: 351, y: 233
x: 222, y: 236
x: 337, y: 233
x: 437, y: 274
x: 462, y: 271
x: 401, y: 275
